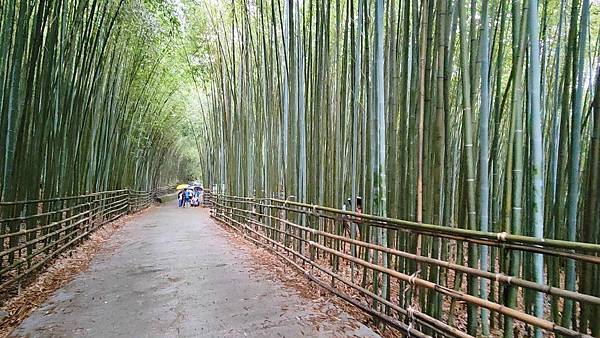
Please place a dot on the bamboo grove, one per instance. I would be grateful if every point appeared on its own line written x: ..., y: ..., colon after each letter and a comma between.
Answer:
x: 89, y: 98
x: 482, y: 115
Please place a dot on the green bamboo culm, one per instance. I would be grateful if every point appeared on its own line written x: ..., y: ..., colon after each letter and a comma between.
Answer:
x: 573, y: 192
x: 537, y: 165
x: 469, y: 157
x: 484, y: 188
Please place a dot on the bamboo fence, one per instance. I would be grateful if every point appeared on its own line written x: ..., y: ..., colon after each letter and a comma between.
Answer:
x: 325, y: 256
x: 34, y: 232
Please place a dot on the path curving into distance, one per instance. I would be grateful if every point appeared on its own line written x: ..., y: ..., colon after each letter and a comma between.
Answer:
x: 174, y: 273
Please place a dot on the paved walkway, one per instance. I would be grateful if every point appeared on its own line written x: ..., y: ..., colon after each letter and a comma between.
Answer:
x: 173, y: 273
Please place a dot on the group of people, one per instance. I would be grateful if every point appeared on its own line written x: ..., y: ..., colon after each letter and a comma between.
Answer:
x: 190, y: 197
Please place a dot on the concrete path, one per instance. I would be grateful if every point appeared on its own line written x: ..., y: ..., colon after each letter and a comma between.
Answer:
x: 174, y: 273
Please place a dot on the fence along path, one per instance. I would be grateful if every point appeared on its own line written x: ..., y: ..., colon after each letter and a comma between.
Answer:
x: 34, y: 232
x: 327, y: 253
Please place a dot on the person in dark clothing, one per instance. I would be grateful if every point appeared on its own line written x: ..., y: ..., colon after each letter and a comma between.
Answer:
x: 181, y: 198
x: 350, y: 219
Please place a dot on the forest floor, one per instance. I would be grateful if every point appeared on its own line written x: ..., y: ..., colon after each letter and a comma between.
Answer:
x: 174, y: 272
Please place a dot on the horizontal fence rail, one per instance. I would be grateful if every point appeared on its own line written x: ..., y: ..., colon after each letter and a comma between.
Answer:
x: 335, y: 247
x: 34, y: 232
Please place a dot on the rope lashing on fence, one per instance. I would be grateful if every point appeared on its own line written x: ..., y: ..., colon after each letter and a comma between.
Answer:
x: 502, y: 236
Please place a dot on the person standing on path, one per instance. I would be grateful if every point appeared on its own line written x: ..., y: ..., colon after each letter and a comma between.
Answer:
x: 188, y: 197
x: 181, y: 198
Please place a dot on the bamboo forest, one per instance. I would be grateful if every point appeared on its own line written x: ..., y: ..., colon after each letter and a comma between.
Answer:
x: 431, y: 165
